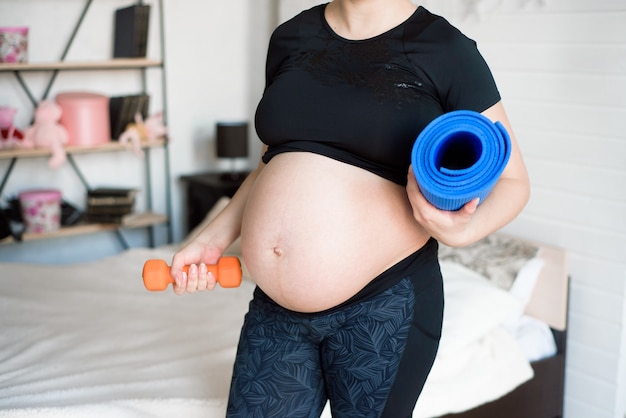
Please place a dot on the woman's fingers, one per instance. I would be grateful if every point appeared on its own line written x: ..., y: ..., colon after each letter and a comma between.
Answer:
x: 197, y: 279
x: 181, y: 283
x: 192, y: 279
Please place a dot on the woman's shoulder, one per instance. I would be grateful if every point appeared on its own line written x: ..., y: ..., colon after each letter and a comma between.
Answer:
x: 310, y: 20
x: 450, y: 60
x: 294, y: 35
x: 432, y: 28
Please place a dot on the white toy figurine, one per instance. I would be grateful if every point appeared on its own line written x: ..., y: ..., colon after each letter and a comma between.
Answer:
x: 143, y: 132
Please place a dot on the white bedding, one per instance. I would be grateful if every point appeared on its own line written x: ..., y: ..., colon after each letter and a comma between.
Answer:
x: 89, y: 340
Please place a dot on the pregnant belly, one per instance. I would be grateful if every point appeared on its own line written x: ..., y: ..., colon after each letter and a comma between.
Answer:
x: 316, y: 231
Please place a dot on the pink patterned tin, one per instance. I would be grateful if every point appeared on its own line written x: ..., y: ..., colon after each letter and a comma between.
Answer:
x: 41, y: 210
x: 13, y: 44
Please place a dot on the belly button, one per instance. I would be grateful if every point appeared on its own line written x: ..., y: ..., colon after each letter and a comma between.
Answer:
x: 278, y: 251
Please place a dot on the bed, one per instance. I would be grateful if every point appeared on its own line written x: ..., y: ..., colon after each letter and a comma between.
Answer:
x: 88, y: 339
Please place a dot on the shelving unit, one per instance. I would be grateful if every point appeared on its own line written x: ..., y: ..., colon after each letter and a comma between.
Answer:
x: 148, y: 219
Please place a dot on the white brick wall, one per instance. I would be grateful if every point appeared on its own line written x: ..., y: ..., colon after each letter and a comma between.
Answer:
x: 561, y: 69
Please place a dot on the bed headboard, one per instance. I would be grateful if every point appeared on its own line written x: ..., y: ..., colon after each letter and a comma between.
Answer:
x: 550, y: 296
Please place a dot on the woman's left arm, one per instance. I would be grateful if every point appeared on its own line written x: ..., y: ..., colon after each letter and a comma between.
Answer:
x: 473, y: 222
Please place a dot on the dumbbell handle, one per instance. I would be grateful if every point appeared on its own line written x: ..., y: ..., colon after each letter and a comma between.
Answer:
x: 156, y: 273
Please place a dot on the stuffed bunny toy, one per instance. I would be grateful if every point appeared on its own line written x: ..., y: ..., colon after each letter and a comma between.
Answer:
x: 47, y: 132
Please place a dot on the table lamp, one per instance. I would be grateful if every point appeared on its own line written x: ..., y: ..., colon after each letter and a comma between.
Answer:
x: 232, y: 143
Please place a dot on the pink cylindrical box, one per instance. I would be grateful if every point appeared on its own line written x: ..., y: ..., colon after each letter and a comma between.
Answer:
x: 13, y: 44
x: 86, y: 117
x: 41, y: 210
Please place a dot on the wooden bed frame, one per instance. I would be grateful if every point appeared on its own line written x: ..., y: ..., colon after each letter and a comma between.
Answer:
x: 542, y: 396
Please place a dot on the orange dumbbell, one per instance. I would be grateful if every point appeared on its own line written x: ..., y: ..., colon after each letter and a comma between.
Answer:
x: 227, y: 272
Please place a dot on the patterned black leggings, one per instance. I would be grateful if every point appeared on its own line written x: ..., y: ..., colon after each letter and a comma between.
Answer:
x: 370, y: 357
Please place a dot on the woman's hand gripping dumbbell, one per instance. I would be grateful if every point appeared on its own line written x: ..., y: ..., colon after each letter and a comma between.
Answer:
x: 227, y: 272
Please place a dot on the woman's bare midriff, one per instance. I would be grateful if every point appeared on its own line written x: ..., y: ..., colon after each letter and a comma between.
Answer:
x: 316, y: 231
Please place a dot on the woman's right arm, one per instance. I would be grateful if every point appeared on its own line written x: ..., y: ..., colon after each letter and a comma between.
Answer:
x: 210, y: 244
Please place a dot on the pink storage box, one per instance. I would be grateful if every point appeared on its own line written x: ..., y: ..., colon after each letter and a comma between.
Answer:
x: 41, y: 210
x: 13, y: 44
x: 86, y: 117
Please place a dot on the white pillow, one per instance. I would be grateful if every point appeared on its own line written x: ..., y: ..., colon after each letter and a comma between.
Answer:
x: 526, y: 279
x: 473, y: 306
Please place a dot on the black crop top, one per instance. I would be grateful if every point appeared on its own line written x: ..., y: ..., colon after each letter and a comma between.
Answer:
x: 365, y: 102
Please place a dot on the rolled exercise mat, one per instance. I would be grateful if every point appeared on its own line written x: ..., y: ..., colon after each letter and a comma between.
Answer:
x: 458, y: 157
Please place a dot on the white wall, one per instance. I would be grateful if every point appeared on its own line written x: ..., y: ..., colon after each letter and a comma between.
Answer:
x: 215, y: 65
x: 561, y: 68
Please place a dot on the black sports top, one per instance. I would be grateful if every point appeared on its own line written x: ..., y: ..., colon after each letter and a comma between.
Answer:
x: 365, y: 102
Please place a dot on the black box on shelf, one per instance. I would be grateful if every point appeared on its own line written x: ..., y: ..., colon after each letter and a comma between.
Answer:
x: 110, y: 205
x: 122, y: 110
x: 112, y: 191
x: 110, y: 219
x: 110, y: 209
x: 111, y: 196
x: 131, y: 31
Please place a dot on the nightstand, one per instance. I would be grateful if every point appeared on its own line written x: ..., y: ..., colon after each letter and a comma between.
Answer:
x: 204, y: 190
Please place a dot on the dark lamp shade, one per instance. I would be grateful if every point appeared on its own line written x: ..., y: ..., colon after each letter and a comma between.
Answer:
x: 232, y: 139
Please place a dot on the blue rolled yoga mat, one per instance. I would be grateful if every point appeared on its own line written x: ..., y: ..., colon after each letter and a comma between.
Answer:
x: 458, y: 157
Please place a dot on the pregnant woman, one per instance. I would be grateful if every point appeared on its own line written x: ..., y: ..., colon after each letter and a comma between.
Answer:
x: 334, y: 230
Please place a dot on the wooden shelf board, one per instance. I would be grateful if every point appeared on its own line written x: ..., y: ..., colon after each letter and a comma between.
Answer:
x: 113, y: 64
x: 112, y: 146
x: 140, y: 220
